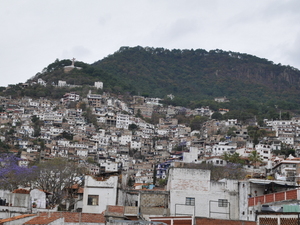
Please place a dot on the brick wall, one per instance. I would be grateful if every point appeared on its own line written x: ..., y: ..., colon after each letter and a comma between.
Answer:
x: 291, y: 194
x: 279, y: 196
x: 210, y: 221
x: 274, y: 197
x: 270, y: 198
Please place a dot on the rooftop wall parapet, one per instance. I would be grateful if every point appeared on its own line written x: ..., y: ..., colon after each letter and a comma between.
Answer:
x: 275, y: 197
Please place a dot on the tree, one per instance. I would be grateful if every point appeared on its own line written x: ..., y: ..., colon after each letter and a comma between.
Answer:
x: 231, y: 132
x: 287, y: 150
x: 154, y: 174
x: 12, y: 175
x: 57, y: 174
x: 234, y: 171
x: 82, y: 105
x: 217, y: 116
x: 139, y: 114
x: 90, y: 117
x: 130, y: 182
x: 233, y: 158
x: 162, y: 182
x: 4, y: 147
x: 197, y: 122
x: 36, y: 126
x: 67, y: 135
x: 132, y: 126
x: 252, y: 132
x: 255, y: 158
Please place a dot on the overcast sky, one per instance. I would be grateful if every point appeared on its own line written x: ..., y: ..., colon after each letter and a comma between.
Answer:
x: 36, y: 32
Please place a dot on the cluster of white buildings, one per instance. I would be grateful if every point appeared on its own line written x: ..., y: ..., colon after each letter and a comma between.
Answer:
x: 121, y: 142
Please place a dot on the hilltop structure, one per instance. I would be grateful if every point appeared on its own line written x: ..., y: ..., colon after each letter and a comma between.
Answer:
x: 69, y: 68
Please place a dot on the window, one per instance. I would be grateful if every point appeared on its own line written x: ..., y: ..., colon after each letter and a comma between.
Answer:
x: 93, y: 199
x: 189, y: 201
x: 222, y: 202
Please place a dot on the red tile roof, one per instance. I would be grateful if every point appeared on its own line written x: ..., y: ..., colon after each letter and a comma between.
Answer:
x: 21, y: 191
x: 15, y: 218
x: 70, y: 217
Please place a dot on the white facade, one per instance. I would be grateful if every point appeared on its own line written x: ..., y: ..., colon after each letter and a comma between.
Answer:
x: 99, y: 193
x: 135, y: 144
x: 216, y: 161
x: 222, y: 147
x: 98, y: 85
x: 110, y: 166
x: 62, y: 83
x: 122, y: 121
x: 265, y: 151
x: 71, y: 97
x: 287, y: 139
x: 39, y: 198
x: 34, y: 104
x: 42, y: 82
x: 82, y: 152
x: 231, y: 122
x: 191, y: 156
x: 162, y: 132
x: 125, y: 139
x: 192, y: 193
x: 278, y: 123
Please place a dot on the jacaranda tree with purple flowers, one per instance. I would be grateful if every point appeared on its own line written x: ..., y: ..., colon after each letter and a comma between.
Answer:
x: 12, y: 175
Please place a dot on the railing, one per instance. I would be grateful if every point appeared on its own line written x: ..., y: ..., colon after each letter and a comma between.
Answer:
x: 274, y: 197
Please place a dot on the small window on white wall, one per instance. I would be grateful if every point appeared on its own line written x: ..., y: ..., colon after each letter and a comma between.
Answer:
x: 189, y: 201
x: 222, y: 202
x: 93, y: 199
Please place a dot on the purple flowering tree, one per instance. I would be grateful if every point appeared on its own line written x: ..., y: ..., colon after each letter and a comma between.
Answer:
x: 12, y: 175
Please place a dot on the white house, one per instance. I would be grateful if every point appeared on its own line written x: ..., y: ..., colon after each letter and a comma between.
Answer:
x: 265, y: 151
x: 191, y: 156
x: 216, y: 161
x: 98, y: 193
x: 135, y: 144
x: 109, y: 166
x: 193, y: 193
x: 125, y: 139
x: 98, y: 85
x: 122, y: 121
x: 222, y: 147
x: 62, y: 83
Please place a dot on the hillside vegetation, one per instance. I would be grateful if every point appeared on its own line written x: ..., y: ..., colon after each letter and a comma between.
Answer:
x: 194, y: 77
x: 197, y: 74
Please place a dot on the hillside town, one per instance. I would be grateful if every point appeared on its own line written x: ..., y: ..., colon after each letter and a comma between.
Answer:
x: 164, y: 172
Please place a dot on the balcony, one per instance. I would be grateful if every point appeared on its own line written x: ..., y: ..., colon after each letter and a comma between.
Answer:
x: 274, y: 197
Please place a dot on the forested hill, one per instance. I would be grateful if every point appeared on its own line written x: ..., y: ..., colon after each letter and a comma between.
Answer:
x: 200, y: 74
x: 194, y: 77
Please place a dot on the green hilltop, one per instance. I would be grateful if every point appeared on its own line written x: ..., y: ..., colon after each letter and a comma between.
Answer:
x: 194, y: 77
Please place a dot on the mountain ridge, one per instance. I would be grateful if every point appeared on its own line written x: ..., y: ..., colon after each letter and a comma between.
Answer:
x: 215, y: 72
x: 194, y: 77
